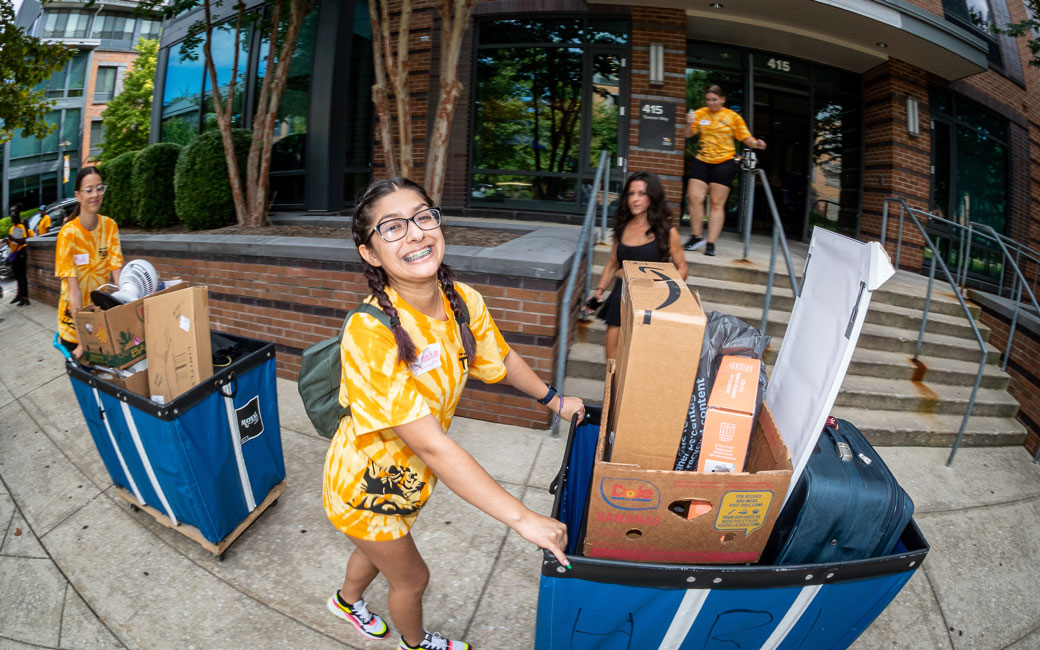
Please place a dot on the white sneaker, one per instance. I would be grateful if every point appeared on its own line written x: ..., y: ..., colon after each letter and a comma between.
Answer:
x: 365, y: 621
x: 434, y: 641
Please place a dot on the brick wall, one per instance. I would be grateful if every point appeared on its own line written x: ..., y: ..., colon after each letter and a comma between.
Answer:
x: 296, y: 303
x: 668, y: 27
x: 93, y: 110
x: 1022, y: 367
x: 895, y: 163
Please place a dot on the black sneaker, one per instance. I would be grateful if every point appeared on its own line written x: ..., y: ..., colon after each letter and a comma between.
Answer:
x: 693, y: 243
x: 16, y: 299
x: 710, y: 249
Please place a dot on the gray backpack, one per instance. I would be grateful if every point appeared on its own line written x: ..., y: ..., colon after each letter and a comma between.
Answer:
x: 320, y: 374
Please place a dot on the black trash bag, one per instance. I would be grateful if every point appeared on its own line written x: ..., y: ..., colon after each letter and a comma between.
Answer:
x: 723, y: 335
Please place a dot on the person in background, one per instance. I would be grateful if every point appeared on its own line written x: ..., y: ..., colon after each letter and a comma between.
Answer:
x: 87, y: 252
x: 44, y: 224
x: 403, y: 384
x: 19, y: 257
x: 712, y: 170
x: 643, y: 232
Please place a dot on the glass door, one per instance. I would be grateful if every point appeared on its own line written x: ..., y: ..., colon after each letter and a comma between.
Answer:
x: 782, y: 119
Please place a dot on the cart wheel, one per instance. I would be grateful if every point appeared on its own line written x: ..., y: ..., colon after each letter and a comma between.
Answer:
x: 273, y: 503
x: 219, y: 557
x: 134, y: 508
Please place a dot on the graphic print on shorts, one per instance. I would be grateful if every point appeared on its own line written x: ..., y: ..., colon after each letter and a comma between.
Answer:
x: 391, y: 490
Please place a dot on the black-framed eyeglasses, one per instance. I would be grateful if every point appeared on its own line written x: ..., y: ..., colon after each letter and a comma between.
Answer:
x: 392, y: 230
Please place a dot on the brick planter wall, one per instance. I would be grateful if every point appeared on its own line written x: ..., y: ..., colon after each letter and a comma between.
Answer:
x: 1022, y: 367
x: 297, y: 292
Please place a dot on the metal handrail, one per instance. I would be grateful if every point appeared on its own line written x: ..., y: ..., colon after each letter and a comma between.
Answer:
x: 905, y: 210
x: 779, y: 238
x: 584, y: 246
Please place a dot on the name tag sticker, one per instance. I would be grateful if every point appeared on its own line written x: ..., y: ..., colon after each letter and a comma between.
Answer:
x: 704, y: 122
x: 81, y: 258
x: 428, y: 359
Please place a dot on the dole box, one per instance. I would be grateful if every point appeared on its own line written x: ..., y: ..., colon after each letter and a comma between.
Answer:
x: 645, y: 514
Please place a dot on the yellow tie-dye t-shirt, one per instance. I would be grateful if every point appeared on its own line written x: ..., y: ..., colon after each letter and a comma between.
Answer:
x: 374, y: 485
x: 90, y: 256
x: 717, y: 132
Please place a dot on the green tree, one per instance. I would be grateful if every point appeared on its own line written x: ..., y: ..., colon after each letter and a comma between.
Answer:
x: 1028, y: 29
x: 128, y: 117
x: 26, y: 62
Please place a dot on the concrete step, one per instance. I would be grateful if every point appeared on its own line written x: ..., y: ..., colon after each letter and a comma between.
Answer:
x: 873, y: 336
x: 890, y: 428
x: 587, y: 360
x: 898, y: 429
x: 904, y: 289
x: 918, y: 397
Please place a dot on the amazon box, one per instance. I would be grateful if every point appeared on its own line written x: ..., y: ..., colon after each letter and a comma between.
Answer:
x: 659, y: 348
x: 731, y: 411
x: 645, y: 514
x: 180, y: 355
x: 114, y: 337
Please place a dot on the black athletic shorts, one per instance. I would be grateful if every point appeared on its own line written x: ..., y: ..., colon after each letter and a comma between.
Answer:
x: 721, y: 173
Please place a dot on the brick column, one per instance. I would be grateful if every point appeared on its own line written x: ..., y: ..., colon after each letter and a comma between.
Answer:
x: 896, y: 164
x: 666, y: 26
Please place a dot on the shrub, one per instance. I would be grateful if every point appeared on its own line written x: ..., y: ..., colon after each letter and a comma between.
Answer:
x: 5, y: 226
x: 118, y: 175
x: 154, y: 168
x: 202, y: 190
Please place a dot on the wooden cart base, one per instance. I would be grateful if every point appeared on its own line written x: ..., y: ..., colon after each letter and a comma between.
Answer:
x: 193, y: 533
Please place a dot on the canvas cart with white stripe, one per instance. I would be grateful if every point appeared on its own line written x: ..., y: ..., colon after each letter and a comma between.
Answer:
x: 205, y: 464
x: 615, y: 605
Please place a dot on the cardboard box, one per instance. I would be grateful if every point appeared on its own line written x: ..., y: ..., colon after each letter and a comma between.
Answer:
x: 652, y: 515
x: 179, y: 356
x: 731, y: 409
x: 135, y: 383
x: 113, y: 337
x: 659, y: 348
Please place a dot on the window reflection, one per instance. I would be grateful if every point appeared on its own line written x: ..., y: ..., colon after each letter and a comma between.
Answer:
x: 834, y: 188
x: 181, y: 101
x: 223, y: 48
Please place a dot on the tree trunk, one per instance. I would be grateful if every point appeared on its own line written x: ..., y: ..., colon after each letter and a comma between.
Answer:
x: 380, y: 93
x: 224, y: 123
x: 454, y: 18
x: 397, y: 68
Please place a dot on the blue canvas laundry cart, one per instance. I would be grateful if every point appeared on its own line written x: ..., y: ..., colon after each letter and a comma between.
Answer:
x: 206, y: 463
x: 614, y: 605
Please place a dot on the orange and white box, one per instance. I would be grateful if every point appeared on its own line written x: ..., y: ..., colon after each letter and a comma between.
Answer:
x: 730, y: 417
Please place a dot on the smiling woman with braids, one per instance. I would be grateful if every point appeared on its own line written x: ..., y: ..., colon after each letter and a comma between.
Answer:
x: 403, y: 384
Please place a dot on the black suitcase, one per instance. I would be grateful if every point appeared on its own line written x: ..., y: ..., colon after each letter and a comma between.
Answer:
x: 845, y: 506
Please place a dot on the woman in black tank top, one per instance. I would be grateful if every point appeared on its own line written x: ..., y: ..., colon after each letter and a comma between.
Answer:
x: 643, y: 232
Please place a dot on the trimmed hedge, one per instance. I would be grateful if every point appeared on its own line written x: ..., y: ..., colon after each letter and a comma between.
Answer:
x: 201, y: 186
x: 118, y: 175
x: 5, y: 226
x: 154, y: 169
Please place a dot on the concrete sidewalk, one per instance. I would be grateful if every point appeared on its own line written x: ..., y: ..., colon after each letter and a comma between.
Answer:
x: 78, y: 569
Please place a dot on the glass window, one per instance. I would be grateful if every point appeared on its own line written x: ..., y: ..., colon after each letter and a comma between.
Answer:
x: 77, y: 75
x: 97, y: 135
x: 181, y: 100
x: 223, y: 48
x: 836, y: 168
x: 70, y: 130
x: 118, y: 27
x: 105, y: 84
x: 65, y: 23
x: 611, y: 32
x: 975, y: 15
x: 288, y: 150
x: 150, y: 29
x: 525, y: 31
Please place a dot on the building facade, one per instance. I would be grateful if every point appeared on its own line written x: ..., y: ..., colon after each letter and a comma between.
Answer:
x: 857, y: 101
x: 39, y: 172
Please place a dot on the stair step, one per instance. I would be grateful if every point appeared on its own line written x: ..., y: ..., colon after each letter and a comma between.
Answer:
x: 587, y: 360
x: 917, y: 397
x: 873, y: 336
x: 892, y: 429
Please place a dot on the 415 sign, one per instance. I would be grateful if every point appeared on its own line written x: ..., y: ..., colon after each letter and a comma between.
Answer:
x: 657, y: 125
x: 776, y: 64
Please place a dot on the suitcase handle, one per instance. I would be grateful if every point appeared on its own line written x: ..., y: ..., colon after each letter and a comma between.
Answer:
x: 554, y: 484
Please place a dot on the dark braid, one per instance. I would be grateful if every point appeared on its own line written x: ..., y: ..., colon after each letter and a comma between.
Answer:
x: 377, y: 282
x: 447, y: 280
